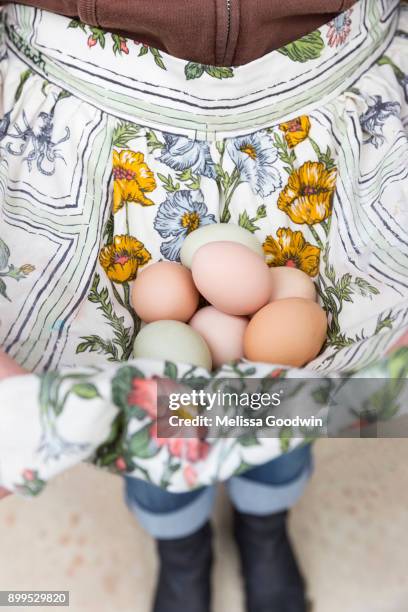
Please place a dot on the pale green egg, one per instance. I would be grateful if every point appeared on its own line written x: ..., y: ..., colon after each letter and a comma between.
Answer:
x: 172, y: 341
x: 216, y: 232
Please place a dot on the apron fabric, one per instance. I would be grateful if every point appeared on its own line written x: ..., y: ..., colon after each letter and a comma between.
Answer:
x: 112, y: 152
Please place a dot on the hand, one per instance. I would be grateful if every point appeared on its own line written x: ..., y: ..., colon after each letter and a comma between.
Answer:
x: 4, y: 493
x: 9, y: 367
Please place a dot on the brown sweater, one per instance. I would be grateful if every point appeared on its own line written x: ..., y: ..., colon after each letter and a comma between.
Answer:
x: 220, y: 32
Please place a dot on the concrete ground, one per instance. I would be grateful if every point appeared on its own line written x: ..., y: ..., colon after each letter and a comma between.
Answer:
x: 350, y: 531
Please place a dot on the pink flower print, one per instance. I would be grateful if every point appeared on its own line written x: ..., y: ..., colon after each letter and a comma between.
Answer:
x: 401, y: 342
x: 120, y: 464
x: 190, y: 449
x: 339, y: 29
x: 29, y: 475
x: 92, y: 41
x: 123, y: 46
x: 144, y: 395
x: 190, y: 475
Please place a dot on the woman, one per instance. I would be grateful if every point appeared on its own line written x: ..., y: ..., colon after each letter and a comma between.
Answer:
x: 289, y: 120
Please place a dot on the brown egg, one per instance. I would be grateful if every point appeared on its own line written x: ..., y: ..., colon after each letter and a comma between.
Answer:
x: 291, y: 282
x: 165, y: 290
x: 287, y: 332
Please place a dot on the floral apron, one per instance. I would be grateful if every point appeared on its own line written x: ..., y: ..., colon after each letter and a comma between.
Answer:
x: 112, y: 152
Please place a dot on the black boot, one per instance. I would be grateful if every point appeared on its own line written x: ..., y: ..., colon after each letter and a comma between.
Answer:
x: 273, y: 582
x: 184, y: 576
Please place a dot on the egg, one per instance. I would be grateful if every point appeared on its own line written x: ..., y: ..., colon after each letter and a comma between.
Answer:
x: 232, y: 277
x: 165, y: 290
x: 172, y: 341
x: 223, y: 333
x: 291, y: 282
x: 216, y: 232
x: 289, y: 332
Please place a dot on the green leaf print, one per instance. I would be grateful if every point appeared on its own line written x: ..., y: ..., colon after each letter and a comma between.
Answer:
x: 248, y: 440
x: 220, y: 145
x: 123, y: 337
x: 168, y: 183
x: 95, y: 344
x: 32, y: 483
x: 228, y: 183
x: 384, y: 404
x: 286, y: 155
x: 122, y: 385
x: 334, y: 292
x: 143, y: 51
x: 219, y: 72
x: 55, y: 391
x: 170, y: 370
x: 307, y: 48
x: 324, y: 158
x: 385, y: 321
x: 285, y: 436
x: 23, y: 78
x: 321, y: 395
x: 8, y: 270
x: 157, y: 58
x: 85, y: 391
x: 365, y: 288
x: 119, y: 44
x: 246, y: 222
x: 141, y: 445
x: 75, y: 23
x: 327, y: 159
x: 123, y: 133
x: 4, y: 254
x: 98, y: 36
x: 193, y: 70
x: 192, y: 181
x: 153, y: 142
x: 3, y: 290
x: 172, y: 467
x: 108, y: 230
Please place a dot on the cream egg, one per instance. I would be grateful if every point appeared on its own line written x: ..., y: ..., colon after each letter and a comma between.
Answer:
x: 172, y: 341
x: 216, y: 232
x: 165, y: 290
x: 289, y: 332
x: 232, y: 277
x: 291, y: 282
x: 223, y: 333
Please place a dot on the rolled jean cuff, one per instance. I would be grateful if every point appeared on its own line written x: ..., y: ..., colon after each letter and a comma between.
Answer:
x: 178, y: 523
x: 252, y: 497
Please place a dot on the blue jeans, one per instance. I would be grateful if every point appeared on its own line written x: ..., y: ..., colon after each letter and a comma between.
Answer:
x: 268, y: 488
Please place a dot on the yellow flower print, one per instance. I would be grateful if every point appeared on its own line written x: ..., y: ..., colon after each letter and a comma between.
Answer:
x: 122, y: 259
x: 291, y: 249
x: 296, y: 130
x: 308, y: 196
x: 132, y: 179
x: 26, y: 269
